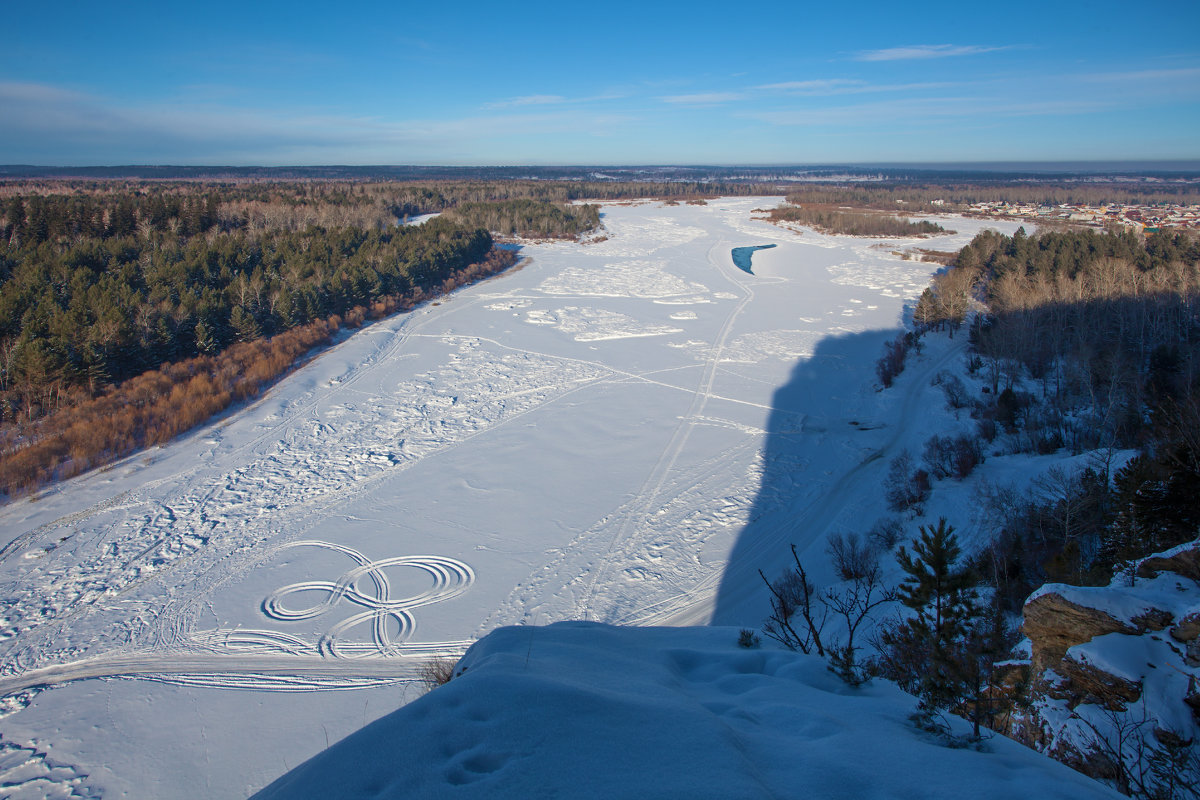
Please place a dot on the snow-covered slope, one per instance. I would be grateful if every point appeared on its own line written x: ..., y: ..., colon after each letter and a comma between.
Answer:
x: 622, y: 431
x: 584, y: 710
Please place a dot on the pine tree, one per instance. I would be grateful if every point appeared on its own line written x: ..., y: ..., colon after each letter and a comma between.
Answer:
x: 933, y: 588
x: 245, y: 326
x: 927, y: 653
x: 205, y: 343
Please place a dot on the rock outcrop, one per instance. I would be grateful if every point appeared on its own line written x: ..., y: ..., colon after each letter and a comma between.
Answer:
x: 1055, y: 624
x: 1115, y: 665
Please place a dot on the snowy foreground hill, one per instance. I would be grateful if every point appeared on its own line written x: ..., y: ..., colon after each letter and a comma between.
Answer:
x: 585, y: 710
x: 622, y: 431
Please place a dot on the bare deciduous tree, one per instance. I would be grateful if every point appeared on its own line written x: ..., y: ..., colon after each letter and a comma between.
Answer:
x: 799, y: 611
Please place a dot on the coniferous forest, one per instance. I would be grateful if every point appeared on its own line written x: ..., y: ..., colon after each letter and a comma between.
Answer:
x: 1086, y: 341
x: 130, y: 313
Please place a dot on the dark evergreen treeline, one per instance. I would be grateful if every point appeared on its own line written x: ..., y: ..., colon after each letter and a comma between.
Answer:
x: 528, y: 218
x: 95, y: 311
x: 31, y: 219
x: 55, y: 210
x: 425, y: 198
x: 159, y: 404
x: 853, y: 223
x: 1088, y: 341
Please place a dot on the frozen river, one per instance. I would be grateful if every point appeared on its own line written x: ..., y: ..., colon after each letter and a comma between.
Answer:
x: 620, y: 431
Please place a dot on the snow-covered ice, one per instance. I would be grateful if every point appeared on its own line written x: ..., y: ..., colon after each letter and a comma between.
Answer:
x: 622, y: 431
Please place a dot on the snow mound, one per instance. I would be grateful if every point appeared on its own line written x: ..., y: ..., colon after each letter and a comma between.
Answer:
x: 580, y: 709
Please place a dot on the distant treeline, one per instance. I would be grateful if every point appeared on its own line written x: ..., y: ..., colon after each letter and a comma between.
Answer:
x: 63, y: 209
x: 528, y: 218
x: 957, y: 197
x: 853, y: 223
x: 413, y: 199
x: 897, y: 175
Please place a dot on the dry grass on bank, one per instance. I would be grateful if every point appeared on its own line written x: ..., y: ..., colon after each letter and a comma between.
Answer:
x: 158, y: 405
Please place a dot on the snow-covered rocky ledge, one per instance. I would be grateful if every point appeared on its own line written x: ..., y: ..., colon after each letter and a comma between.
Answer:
x: 582, y: 710
x: 1114, y: 668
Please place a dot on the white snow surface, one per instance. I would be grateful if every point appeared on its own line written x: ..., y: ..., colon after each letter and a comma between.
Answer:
x: 585, y: 710
x: 623, y: 431
x: 1166, y: 591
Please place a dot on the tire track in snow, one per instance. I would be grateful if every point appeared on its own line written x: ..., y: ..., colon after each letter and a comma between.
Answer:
x: 311, y: 473
x: 810, y: 521
x: 450, y: 579
x: 646, y: 497
x: 297, y: 673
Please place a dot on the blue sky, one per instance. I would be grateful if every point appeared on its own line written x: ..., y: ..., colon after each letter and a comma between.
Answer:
x: 596, y: 83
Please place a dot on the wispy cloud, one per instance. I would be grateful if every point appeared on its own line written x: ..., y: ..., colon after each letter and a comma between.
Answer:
x: 923, y: 51
x: 528, y: 100
x: 49, y: 125
x: 1189, y: 75
x: 839, y: 86
x: 927, y: 111
x: 813, y: 87
x: 551, y: 100
x: 703, y: 98
x: 14, y: 91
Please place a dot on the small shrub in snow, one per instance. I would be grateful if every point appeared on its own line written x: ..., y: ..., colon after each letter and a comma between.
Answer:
x: 436, y: 672
x: 952, y: 456
x: 852, y: 557
x: 939, y: 456
x: 748, y: 638
x: 931, y: 722
x: 968, y: 454
x: 799, y: 610
x: 987, y: 429
x: 955, y: 391
x: 891, y: 363
x: 885, y: 533
x: 1008, y: 408
x: 913, y: 340
x: 905, y: 486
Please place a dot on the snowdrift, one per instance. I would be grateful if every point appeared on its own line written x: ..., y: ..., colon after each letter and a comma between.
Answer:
x: 580, y: 709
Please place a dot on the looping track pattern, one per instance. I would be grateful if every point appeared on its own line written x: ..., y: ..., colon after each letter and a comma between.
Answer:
x: 367, y: 585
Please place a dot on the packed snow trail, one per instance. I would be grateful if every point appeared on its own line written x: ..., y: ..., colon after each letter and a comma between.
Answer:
x: 639, y: 509
x: 270, y: 673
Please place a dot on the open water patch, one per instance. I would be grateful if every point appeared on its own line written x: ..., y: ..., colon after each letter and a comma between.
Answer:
x: 742, y: 255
